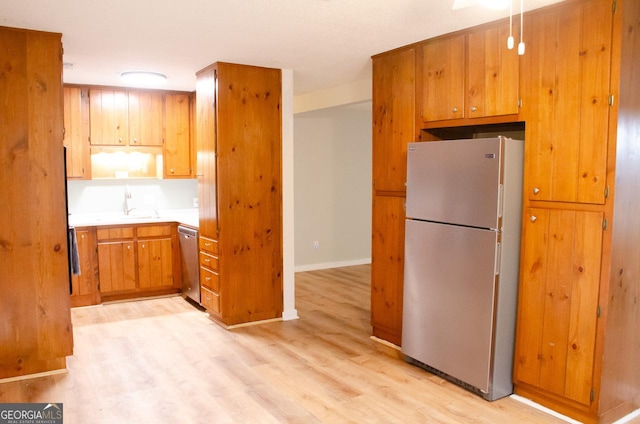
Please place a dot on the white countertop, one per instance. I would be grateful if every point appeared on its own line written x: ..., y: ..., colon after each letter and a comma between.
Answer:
x: 181, y: 216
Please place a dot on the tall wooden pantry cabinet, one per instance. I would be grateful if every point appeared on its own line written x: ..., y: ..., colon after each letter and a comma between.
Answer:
x: 35, y: 334
x: 578, y: 91
x: 239, y: 144
x: 393, y: 127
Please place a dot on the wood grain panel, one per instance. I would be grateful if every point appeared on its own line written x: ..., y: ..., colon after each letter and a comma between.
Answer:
x: 492, y: 73
x: 531, y: 296
x: 393, y: 118
x: 177, y: 149
x: 443, y: 78
x: 249, y: 190
x: 206, y: 146
x: 76, y: 131
x: 117, y: 266
x: 109, y: 117
x: 557, y: 309
x: 557, y: 302
x: 566, y: 73
x: 584, y: 305
x: 155, y: 263
x: 387, y: 267
x: 595, y: 57
x: 620, y: 371
x: 36, y: 334
x: 146, y: 111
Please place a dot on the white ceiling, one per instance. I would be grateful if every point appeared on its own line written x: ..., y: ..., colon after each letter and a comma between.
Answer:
x: 325, y: 42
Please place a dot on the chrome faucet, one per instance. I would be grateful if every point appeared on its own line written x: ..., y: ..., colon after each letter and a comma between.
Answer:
x: 127, y: 200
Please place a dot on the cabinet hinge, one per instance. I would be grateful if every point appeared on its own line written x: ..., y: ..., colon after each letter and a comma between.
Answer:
x: 592, y: 395
x: 217, y: 232
x: 598, y: 311
x: 520, y: 103
x: 64, y: 132
x: 605, y: 223
x: 611, y: 99
x: 606, y: 192
x: 614, y: 7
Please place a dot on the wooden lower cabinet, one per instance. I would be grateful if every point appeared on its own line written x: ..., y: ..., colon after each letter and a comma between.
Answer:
x: 137, y: 261
x: 387, y: 267
x: 84, y: 287
x: 116, y: 266
x: 558, y: 304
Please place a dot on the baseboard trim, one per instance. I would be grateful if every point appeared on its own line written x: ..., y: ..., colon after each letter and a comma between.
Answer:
x: 328, y: 265
x: 543, y: 409
x: 36, y: 375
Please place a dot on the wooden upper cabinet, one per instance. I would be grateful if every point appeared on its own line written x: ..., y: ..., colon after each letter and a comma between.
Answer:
x: 177, y: 145
x: 109, y: 117
x: 558, y: 301
x: 393, y: 118
x: 492, y: 73
x: 565, y: 80
x: 145, y: 118
x: 443, y: 78
x: 76, y: 132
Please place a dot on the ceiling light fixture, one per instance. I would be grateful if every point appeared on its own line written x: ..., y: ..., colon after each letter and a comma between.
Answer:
x: 143, y: 78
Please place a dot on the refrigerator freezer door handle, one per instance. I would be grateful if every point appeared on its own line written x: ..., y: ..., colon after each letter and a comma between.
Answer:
x: 498, y: 254
x: 500, y: 200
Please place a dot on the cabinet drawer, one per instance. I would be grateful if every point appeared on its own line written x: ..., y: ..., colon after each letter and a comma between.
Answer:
x: 209, y: 261
x: 210, y: 300
x: 209, y: 279
x: 115, y: 233
x: 209, y: 245
x: 154, y: 231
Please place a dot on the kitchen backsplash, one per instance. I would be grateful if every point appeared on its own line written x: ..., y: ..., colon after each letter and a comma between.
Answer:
x: 97, y: 196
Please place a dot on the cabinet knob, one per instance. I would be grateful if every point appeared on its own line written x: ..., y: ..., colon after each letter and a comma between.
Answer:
x: 120, y: 140
x: 135, y: 140
x: 207, y: 278
x: 536, y: 190
x: 473, y: 108
x: 171, y: 170
x: 533, y: 218
x: 129, y: 247
x: 454, y: 110
x: 143, y: 245
x: 207, y: 260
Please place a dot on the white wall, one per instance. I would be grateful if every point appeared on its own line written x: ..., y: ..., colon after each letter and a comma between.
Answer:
x: 332, y: 186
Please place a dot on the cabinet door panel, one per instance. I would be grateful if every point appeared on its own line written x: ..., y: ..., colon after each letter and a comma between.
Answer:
x: 108, y: 111
x: 393, y: 118
x: 177, y: 151
x: 565, y: 102
x: 155, y: 263
x: 443, y: 77
x: 145, y: 118
x: 492, y: 74
x: 558, y: 301
x: 76, y: 127
x: 387, y: 267
x: 116, y: 266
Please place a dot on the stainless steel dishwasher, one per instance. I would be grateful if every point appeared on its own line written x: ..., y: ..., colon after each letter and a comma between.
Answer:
x: 189, y: 258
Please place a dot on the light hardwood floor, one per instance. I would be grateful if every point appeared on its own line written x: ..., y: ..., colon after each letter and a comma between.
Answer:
x: 164, y: 361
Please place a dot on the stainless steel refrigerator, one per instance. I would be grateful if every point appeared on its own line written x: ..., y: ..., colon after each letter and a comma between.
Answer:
x: 462, y: 245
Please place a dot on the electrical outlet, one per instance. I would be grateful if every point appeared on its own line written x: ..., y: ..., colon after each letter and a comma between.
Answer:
x: 316, y: 244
